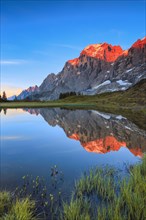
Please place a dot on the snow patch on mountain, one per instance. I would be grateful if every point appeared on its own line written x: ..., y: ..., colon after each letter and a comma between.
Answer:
x: 123, y: 83
x: 120, y: 117
x: 102, y: 84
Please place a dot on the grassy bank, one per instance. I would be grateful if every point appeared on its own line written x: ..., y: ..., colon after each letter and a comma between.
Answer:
x: 98, y: 195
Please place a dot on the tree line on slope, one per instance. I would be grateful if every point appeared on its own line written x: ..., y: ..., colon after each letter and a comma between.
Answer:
x: 67, y: 94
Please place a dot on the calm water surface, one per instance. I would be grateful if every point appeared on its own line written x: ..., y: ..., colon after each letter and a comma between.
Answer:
x: 34, y: 140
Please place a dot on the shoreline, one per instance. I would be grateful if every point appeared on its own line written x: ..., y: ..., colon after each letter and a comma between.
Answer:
x: 134, y: 112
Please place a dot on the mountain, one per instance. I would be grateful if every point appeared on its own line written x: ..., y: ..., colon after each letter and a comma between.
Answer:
x: 96, y: 131
x: 11, y: 98
x: 99, y: 68
x: 27, y: 92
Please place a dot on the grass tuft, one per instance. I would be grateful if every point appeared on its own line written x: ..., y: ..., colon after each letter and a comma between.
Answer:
x: 115, y: 200
x: 16, y: 210
x: 5, y: 201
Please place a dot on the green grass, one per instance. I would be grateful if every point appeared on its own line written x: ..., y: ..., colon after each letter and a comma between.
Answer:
x: 19, y: 209
x: 115, y: 200
x: 98, y: 181
x: 77, y: 209
x: 5, y: 201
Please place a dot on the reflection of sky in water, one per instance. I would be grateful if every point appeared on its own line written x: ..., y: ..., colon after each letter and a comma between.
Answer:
x: 30, y: 145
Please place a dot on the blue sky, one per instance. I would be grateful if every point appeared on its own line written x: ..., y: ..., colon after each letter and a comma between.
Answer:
x: 38, y: 37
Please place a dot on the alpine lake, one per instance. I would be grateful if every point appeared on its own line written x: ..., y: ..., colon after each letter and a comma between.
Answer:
x: 56, y: 146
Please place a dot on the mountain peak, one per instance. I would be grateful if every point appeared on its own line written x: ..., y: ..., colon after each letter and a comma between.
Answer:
x: 32, y: 88
x: 139, y: 43
x: 74, y: 61
x: 102, y: 51
x: 106, y: 52
x: 27, y: 92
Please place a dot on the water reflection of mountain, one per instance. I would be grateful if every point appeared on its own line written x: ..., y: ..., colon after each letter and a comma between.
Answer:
x: 97, y: 132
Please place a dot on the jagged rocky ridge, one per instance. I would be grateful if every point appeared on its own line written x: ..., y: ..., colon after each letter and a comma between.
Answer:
x: 99, y: 68
x: 96, y: 131
x: 28, y: 92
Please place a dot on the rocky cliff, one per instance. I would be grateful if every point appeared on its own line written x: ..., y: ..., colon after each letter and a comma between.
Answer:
x: 99, y: 68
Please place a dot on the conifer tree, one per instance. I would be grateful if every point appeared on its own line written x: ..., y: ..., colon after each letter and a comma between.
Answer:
x: 4, y: 97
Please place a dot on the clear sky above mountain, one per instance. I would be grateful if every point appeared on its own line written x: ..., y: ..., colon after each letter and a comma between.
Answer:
x: 38, y: 37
